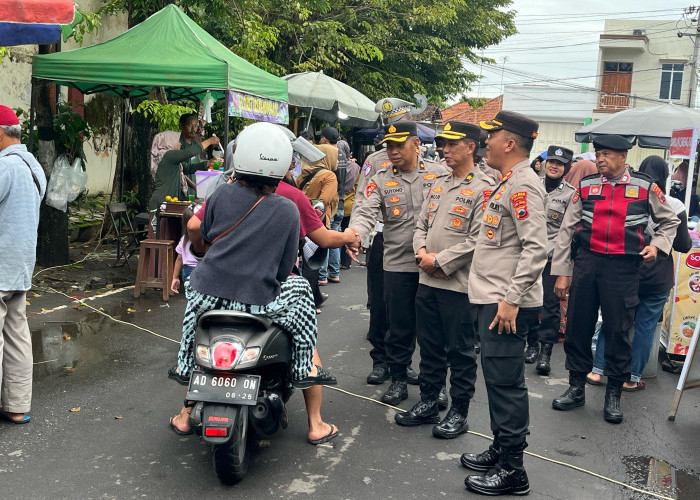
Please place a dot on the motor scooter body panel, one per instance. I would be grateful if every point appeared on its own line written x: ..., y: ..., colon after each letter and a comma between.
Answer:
x: 219, y: 416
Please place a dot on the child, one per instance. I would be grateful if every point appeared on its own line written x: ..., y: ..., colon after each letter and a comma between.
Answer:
x: 185, y: 262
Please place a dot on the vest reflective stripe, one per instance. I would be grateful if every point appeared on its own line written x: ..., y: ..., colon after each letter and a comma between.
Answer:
x: 614, y: 216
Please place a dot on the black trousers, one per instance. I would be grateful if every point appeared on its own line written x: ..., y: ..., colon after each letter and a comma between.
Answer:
x: 375, y: 300
x: 312, y: 277
x: 550, y: 321
x: 400, y: 296
x: 445, y: 332
x: 344, y: 256
x: 503, y: 365
x: 610, y: 284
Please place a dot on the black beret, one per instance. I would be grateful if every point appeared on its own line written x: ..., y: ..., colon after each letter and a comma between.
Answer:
x: 612, y: 142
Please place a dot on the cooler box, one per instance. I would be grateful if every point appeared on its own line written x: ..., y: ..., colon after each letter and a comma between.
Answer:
x: 204, y: 179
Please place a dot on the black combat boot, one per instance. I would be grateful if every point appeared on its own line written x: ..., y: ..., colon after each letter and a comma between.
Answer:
x: 574, y: 396
x: 531, y: 353
x: 508, y: 477
x: 612, y: 412
x: 443, y: 402
x: 424, y: 411
x: 380, y: 373
x: 397, y: 392
x: 454, y: 424
x: 543, y: 367
x: 411, y: 375
x: 483, y: 461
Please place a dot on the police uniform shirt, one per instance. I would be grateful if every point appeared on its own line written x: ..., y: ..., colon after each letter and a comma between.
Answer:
x: 398, y: 197
x: 511, y: 249
x: 373, y: 164
x: 660, y: 212
x: 556, y: 202
x: 448, y: 226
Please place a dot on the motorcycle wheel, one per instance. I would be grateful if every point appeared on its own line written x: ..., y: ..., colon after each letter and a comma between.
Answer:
x: 231, y: 459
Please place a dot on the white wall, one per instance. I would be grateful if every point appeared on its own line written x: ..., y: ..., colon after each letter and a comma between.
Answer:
x: 15, y: 88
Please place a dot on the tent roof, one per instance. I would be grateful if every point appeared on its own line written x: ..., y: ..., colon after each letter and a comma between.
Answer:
x: 168, y: 49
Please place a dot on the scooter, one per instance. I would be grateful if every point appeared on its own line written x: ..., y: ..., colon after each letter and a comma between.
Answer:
x: 240, y: 388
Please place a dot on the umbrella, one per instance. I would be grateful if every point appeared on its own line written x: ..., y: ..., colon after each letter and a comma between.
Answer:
x: 330, y: 99
x: 651, y: 127
x: 36, y: 21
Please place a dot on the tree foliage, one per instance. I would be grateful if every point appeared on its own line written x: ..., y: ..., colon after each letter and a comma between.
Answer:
x: 380, y: 47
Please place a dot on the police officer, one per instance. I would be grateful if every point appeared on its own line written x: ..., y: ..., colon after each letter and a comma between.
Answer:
x: 505, y: 284
x: 397, y: 192
x: 444, y: 241
x: 391, y: 110
x: 558, y: 197
x: 607, y: 219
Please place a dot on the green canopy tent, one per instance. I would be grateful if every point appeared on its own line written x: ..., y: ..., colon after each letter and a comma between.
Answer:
x: 170, y: 50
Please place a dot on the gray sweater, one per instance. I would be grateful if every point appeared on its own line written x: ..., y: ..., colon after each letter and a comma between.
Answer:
x: 249, y: 263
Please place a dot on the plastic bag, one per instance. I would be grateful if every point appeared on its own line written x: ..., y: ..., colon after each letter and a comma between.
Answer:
x: 66, y: 183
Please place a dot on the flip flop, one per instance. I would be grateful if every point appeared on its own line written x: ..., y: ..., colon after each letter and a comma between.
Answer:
x: 322, y: 378
x: 178, y: 431
x: 24, y: 420
x: 592, y: 382
x: 331, y: 434
x: 640, y: 386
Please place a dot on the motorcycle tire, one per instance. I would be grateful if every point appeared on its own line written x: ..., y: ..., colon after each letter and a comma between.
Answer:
x: 231, y: 459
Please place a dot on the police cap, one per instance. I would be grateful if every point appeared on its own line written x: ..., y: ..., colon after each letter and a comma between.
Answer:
x: 400, y: 131
x: 392, y: 109
x: 460, y: 130
x: 612, y: 142
x: 564, y: 155
x: 512, y: 122
x: 481, y: 152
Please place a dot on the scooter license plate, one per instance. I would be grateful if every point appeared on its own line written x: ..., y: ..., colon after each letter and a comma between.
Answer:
x: 228, y: 388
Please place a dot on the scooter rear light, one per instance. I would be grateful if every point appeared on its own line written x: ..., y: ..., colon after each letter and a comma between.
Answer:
x: 224, y: 355
x: 215, y: 431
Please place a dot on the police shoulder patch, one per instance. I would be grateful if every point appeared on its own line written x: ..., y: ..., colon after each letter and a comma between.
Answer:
x: 657, y: 191
x: 576, y: 197
x: 519, y: 202
x: 366, y: 169
x: 370, y: 188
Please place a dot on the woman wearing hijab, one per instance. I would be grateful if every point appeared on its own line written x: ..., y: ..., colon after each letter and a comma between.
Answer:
x: 655, y: 282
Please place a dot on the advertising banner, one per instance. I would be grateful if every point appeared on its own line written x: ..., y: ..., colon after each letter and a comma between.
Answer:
x: 681, y: 312
x: 257, y: 108
x: 682, y: 142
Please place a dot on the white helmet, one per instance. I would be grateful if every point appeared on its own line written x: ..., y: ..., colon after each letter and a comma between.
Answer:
x: 264, y: 150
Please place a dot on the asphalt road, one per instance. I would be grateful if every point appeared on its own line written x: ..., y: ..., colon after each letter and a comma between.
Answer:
x: 100, y: 427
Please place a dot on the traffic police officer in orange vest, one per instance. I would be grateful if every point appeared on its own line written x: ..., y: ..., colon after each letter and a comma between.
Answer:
x: 397, y: 193
x: 444, y: 241
x: 505, y: 284
x: 607, y: 220
x: 559, y: 195
x: 391, y: 111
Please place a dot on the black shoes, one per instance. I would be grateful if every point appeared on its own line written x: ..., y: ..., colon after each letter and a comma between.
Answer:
x: 574, y: 397
x: 443, y: 402
x: 612, y: 412
x: 543, y: 367
x: 453, y: 425
x: 379, y: 375
x: 411, y: 375
x: 501, y: 480
x: 481, y: 462
x: 397, y: 392
x: 423, y: 412
x: 531, y: 353
x: 180, y: 379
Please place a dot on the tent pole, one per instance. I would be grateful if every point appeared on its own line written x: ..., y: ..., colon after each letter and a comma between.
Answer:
x: 228, y: 167
x: 32, y: 112
x: 122, y: 143
x: 308, y: 120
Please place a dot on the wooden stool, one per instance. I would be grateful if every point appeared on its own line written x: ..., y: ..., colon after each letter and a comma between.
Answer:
x: 164, y: 267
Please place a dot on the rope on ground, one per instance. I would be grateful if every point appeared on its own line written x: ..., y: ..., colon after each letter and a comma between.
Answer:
x: 541, y: 457
x: 359, y: 396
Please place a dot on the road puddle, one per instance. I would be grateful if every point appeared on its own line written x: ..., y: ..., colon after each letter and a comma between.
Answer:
x: 661, y: 477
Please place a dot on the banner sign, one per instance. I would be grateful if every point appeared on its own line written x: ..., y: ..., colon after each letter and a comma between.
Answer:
x: 682, y: 141
x: 257, y: 108
x: 680, y: 313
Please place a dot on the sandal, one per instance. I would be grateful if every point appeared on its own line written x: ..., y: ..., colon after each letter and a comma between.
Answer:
x: 178, y: 431
x: 17, y: 421
x: 331, y: 279
x: 180, y: 379
x: 333, y: 433
x: 639, y: 386
x: 323, y: 377
x: 590, y: 381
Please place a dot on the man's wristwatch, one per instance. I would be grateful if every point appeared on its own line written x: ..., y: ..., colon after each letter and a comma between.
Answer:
x: 436, y: 264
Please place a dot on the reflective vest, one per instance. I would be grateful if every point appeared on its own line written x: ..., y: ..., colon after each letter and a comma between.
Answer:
x: 615, y: 216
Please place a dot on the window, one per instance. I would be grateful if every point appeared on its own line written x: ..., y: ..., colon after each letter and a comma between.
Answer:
x: 617, y: 67
x: 671, y: 81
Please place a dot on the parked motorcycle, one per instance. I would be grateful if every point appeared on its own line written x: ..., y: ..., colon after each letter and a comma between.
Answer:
x: 241, y: 386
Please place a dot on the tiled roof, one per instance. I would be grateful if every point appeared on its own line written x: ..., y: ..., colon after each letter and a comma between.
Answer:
x: 463, y: 112
x: 431, y: 114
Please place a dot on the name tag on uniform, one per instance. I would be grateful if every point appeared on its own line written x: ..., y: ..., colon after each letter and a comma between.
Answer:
x: 632, y: 192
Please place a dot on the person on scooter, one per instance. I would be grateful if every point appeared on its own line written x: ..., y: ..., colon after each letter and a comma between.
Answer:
x: 266, y: 234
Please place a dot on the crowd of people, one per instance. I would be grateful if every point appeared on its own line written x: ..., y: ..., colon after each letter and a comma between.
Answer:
x: 472, y: 252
